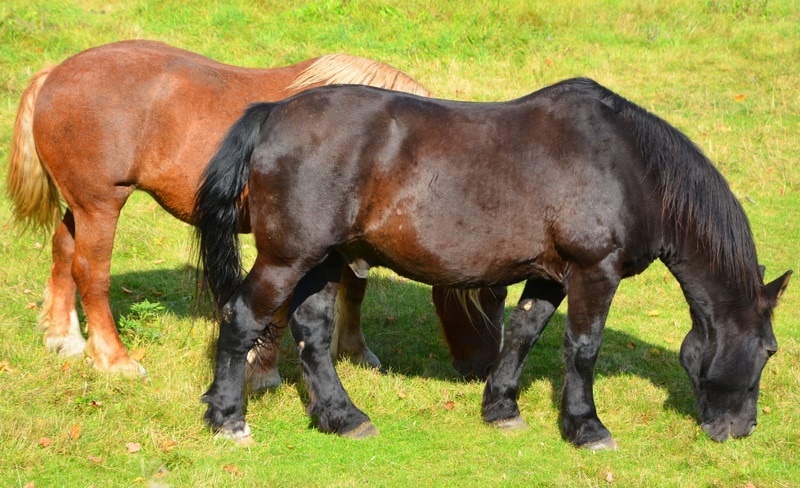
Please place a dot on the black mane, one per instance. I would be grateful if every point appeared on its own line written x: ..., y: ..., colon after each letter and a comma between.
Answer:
x: 696, y: 199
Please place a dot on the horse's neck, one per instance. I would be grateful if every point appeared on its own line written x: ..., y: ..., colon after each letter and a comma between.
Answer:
x: 703, y: 287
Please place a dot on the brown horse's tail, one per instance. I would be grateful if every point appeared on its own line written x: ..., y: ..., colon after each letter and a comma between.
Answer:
x: 345, y: 69
x: 36, y: 199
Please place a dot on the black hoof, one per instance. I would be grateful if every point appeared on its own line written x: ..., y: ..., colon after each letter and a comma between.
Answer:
x: 363, y: 431
x: 607, y: 444
x: 514, y: 423
x: 237, y: 431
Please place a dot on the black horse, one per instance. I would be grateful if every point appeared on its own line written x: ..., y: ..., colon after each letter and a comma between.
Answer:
x: 578, y: 189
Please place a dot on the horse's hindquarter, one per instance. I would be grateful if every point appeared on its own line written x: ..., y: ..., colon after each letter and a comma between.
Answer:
x: 142, y: 115
x: 448, y: 193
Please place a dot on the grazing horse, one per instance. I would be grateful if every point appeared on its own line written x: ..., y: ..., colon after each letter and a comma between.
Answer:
x: 579, y: 188
x: 148, y: 116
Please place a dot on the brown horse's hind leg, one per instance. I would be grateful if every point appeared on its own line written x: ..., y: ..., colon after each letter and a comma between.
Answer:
x: 261, y: 371
x: 91, y: 267
x: 58, y: 319
x: 348, y: 337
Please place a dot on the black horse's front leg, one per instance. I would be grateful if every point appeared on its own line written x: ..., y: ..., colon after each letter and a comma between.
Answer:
x: 539, y: 300
x: 312, y: 326
x: 589, y: 300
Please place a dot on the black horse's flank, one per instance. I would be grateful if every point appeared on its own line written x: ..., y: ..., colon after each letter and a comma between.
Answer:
x: 579, y: 189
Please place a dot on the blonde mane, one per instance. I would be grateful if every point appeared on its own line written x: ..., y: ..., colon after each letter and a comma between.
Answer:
x: 353, y: 70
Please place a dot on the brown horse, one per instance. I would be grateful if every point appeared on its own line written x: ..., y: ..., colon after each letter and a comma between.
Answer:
x: 144, y: 115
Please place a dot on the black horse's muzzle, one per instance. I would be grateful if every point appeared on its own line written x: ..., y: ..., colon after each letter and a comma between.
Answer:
x: 729, y: 426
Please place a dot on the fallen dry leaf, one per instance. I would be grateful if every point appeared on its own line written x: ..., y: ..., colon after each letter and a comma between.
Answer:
x: 75, y: 431
x: 138, y: 354
x: 125, y: 290
x: 45, y: 441
x: 232, y: 469
x: 449, y: 405
x: 31, y: 306
x: 5, y: 367
x: 30, y: 484
x: 739, y: 97
x: 94, y: 459
x: 653, y: 313
x: 133, y: 447
x: 167, y: 445
x: 401, y: 394
x: 610, y: 477
x: 766, y: 410
x: 65, y: 367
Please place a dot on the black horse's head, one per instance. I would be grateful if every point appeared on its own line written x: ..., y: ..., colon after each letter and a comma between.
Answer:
x: 725, y: 359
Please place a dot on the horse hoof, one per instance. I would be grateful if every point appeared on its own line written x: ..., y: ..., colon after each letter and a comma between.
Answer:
x: 607, y: 444
x: 514, y: 423
x: 367, y: 429
x: 370, y: 359
x: 65, y: 346
x: 240, y: 433
x: 129, y: 368
x: 262, y: 380
x: 246, y: 441
x: 363, y: 357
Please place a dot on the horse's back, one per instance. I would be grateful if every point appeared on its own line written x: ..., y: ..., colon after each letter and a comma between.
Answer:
x: 140, y: 114
x: 423, y: 181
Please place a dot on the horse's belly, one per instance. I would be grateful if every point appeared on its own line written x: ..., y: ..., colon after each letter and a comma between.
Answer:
x: 453, y: 257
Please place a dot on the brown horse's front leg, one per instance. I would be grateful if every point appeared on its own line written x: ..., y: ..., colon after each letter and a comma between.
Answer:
x: 348, y: 337
x: 91, y: 268
x: 58, y: 318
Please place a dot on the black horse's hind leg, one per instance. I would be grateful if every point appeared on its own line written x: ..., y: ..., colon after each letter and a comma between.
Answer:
x: 539, y: 300
x: 312, y: 326
x: 244, y: 318
x: 590, y: 298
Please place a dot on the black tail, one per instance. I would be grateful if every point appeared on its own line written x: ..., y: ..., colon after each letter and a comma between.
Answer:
x: 218, y: 204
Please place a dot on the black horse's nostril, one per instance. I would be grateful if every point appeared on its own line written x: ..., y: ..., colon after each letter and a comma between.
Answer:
x: 750, y: 427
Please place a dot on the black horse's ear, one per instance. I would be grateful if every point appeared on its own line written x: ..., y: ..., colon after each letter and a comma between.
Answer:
x: 775, y: 289
x: 761, y: 270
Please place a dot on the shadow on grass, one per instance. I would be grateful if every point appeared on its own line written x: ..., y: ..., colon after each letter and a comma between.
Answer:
x: 401, y: 328
x: 408, y: 342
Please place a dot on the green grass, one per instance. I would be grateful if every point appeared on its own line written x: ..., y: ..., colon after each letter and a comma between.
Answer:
x: 724, y: 72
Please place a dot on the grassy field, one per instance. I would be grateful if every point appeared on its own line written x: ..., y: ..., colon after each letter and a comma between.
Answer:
x: 727, y: 73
